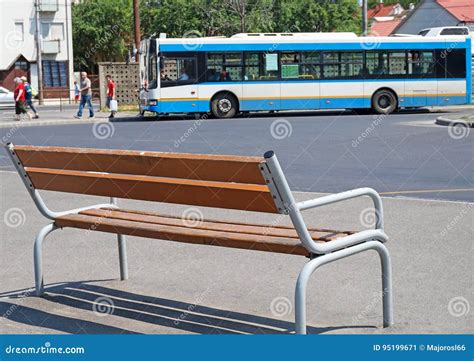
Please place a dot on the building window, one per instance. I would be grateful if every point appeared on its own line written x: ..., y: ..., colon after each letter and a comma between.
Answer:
x: 19, y: 31
x: 56, y: 31
x: 54, y: 73
x: 21, y: 64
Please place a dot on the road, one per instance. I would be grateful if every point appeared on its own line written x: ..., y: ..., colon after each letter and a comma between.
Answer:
x: 401, y: 155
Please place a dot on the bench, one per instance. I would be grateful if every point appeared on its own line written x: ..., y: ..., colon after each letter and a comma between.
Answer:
x: 229, y: 182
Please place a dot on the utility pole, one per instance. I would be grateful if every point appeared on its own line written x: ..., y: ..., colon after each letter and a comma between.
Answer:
x: 364, y: 17
x: 39, y: 63
x: 136, y: 21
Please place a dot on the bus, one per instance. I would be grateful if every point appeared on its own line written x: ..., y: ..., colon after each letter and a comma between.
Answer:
x: 244, y: 73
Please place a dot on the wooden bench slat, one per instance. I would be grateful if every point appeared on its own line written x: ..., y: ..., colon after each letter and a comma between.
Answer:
x: 184, y: 234
x: 209, y: 225
x: 222, y: 168
x: 251, y: 197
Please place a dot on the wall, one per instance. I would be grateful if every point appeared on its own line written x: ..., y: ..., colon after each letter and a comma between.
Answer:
x: 126, y: 78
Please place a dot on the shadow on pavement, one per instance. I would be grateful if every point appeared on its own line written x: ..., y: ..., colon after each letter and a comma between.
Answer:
x: 183, y: 316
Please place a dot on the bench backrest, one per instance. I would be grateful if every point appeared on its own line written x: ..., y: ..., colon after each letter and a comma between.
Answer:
x: 232, y: 182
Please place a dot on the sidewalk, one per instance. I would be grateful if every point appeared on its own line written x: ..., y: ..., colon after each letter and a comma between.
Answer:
x: 466, y: 119
x: 53, y: 115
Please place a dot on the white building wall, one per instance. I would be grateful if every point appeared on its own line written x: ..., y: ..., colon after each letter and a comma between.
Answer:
x: 15, y: 42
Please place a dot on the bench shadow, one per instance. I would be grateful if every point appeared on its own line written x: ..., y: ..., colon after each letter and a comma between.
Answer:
x: 173, y: 314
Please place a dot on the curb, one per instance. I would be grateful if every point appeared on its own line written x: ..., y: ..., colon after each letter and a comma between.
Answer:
x: 451, y: 122
x: 33, y: 123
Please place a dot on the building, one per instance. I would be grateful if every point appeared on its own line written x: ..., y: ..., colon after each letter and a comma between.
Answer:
x: 436, y: 13
x: 18, y: 50
x: 385, y: 18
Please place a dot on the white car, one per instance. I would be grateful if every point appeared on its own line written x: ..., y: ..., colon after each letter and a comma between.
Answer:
x: 445, y: 30
x: 6, y: 98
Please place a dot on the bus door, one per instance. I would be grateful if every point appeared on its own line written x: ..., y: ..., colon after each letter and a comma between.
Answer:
x: 300, y: 87
x: 421, y: 89
x: 178, y: 79
x: 261, y: 88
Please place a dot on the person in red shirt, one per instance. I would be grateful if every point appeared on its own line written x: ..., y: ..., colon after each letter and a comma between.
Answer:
x: 20, y: 95
x: 110, y: 93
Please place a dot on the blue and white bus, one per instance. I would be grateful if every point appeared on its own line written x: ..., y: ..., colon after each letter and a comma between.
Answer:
x: 295, y: 71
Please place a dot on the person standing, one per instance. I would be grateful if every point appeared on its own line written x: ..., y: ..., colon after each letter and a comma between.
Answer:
x: 19, y: 95
x: 29, y: 96
x: 111, y: 94
x: 86, y: 96
x: 77, y: 93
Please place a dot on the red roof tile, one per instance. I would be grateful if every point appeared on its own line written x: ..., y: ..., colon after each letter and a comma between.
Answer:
x: 463, y: 10
x: 380, y: 10
x: 383, y: 28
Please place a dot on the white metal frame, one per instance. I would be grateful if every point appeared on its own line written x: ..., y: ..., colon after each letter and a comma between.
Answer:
x: 323, y: 253
x: 52, y: 215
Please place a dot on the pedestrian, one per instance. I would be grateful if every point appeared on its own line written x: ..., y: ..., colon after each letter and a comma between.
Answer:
x: 29, y: 96
x: 111, y: 94
x: 77, y: 93
x: 86, y: 96
x: 19, y: 95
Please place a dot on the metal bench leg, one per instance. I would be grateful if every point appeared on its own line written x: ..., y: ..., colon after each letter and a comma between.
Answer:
x: 122, y: 248
x: 37, y: 254
x: 312, y: 265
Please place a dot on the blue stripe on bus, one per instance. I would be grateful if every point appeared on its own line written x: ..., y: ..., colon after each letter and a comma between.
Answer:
x: 280, y: 81
x: 269, y: 47
x: 469, y: 72
x: 202, y: 106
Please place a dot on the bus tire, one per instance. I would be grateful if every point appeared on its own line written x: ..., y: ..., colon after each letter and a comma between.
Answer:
x: 224, y: 105
x: 384, y: 101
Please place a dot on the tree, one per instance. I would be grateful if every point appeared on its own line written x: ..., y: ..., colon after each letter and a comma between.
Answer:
x: 101, y: 31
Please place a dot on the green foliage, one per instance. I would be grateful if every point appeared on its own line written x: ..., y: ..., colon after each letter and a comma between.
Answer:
x: 101, y: 31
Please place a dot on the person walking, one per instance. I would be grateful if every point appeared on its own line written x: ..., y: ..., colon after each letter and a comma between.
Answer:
x: 86, y: 96
x: 111, y: 94
x: 19, y: 96
x: 29, y: 96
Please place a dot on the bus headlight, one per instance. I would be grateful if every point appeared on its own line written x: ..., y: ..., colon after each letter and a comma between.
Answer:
x: 153, y: 102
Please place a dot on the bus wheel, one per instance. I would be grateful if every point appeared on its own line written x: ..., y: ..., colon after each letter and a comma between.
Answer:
x: 224, y: 105
x: 384, y: 102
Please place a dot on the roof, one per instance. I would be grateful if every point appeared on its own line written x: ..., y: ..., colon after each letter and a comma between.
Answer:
x: 380, y: 10
x: 463, y: 10
x: 384, y: 28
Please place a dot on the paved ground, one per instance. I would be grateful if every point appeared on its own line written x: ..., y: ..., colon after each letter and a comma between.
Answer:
x: 176, y: 288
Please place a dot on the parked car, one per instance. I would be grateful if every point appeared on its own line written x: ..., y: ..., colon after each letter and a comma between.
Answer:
x: 445, y: 30
x: 6, y: 98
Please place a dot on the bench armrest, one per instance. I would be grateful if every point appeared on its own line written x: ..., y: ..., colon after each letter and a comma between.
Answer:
x: 338, y: 197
